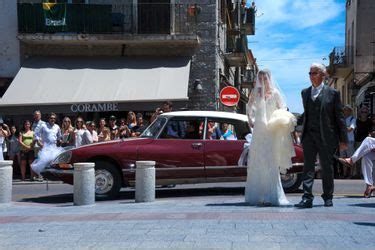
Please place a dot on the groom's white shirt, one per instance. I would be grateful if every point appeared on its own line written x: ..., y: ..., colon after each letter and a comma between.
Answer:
x: 315, y: 94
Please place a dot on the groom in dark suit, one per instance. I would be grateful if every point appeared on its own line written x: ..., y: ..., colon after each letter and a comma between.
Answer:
x: 324, y: 131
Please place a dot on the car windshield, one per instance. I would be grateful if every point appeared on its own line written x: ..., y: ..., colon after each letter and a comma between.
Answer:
x: 153, y: 130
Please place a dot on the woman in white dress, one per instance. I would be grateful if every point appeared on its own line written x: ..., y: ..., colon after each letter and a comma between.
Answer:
x: 271, y: 146
x: 82, y: 135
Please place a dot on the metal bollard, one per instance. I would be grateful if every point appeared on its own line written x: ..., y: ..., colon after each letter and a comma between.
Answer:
x: 6, y: 175
x: 145, y: 181
x: 84, y: 184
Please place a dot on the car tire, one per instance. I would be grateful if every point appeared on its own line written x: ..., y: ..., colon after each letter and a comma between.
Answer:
x: 291, y: 182
x: 107, y: 180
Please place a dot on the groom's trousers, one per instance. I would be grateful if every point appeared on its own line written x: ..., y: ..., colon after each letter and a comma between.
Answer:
x: 313, y: 147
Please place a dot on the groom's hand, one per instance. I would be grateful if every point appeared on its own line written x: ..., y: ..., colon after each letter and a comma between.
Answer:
x: 343, y: 146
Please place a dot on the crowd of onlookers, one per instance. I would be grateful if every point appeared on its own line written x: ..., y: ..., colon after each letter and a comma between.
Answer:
x: 358, y: 159
x: 358, y: 128
x: 22, y: 144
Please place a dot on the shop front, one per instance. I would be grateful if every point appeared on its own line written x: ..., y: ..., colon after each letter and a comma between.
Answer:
x: 95, y: 87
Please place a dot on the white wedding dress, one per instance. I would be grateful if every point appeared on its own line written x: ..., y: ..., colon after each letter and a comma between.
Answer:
x: 267, y: 153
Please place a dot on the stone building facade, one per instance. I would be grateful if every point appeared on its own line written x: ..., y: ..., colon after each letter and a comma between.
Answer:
x: 352, y: 66
x: 9, y: 46
x: 212, y: 34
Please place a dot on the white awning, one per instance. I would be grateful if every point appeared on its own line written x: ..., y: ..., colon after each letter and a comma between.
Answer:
x: 66, y: 80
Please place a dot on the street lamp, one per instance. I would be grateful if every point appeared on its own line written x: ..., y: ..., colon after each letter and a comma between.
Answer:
x: 198, y: 85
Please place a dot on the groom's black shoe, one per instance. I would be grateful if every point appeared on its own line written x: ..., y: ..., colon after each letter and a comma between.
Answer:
x: 328, y: 203
x: 304, y: 204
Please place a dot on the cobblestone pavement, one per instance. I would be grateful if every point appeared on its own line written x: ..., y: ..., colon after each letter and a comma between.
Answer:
x: 203, y: 222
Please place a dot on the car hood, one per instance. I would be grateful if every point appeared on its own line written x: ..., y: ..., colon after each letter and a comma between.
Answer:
x: 133, y: 140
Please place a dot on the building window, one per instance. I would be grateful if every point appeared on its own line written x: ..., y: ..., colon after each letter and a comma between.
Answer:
x: 154, y: 16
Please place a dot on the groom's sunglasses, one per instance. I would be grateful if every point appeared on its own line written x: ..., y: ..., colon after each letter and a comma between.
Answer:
x: 313, y: 73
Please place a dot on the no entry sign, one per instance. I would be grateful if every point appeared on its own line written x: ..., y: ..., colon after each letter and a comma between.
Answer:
x: 229, y: 96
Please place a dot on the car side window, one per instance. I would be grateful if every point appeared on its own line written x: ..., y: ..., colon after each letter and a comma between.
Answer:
x: 183, y: 128
x: 242, y: 130
x: 226, y: 129
x: 153, y: 130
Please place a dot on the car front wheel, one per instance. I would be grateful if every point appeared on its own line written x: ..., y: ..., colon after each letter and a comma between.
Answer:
x: 107, y: 180
x: 291, y: 182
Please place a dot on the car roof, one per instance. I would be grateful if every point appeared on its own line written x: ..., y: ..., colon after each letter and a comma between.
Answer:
x: 213, y: 114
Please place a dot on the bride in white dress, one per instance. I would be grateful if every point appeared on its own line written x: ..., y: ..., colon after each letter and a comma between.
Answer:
x: 271, y: 147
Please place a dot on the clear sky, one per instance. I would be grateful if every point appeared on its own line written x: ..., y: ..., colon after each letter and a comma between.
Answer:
x: 292, y: 34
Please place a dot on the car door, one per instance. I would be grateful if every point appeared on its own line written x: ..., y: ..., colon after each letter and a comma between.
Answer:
x: 223, y: 150
x: 178, y: 151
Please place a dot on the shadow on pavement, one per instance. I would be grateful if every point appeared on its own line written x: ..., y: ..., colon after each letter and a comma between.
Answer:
x: 191, y: 192
x: 160, y: 193
x: 50, y: 199
x: 366, y: 205
x: 244, y: 204
x: 237, y: 204
x: 350, y: 196
x: 299, y: 191
x: 130, y: 194
x: 369, y: 224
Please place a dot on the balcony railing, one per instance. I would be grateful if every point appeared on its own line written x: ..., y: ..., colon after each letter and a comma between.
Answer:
x: 154, y: 18
x: 248, y: 21
x: 340, y: 61
x: 248, y: 77
x: 246, y: 25
x: 341, y: 56
x: 236, y: 51
x: 236, y: 44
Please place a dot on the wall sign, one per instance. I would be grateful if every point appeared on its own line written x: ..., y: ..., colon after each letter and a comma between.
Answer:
x: 229, y: 96
x: 94, y: 107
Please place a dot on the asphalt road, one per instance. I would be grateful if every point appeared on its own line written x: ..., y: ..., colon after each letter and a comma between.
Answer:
x: 62, y: 193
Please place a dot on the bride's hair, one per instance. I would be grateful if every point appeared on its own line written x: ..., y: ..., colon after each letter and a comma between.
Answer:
x: 265, y: 87
x: 265, y: 72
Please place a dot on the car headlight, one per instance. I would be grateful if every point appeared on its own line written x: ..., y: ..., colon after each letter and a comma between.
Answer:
x: 64, y: 157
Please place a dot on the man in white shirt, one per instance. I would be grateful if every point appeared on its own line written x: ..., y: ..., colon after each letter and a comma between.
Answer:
x: 50, y: 133
x: 37, y: 124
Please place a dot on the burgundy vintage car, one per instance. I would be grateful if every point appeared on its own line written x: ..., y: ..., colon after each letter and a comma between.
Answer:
x: 187, y: 146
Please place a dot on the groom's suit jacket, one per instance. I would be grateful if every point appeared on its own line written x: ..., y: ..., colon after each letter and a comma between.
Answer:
x: 332, y: 123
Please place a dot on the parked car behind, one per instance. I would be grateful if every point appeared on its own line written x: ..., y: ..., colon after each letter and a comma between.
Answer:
x: 187, y: 146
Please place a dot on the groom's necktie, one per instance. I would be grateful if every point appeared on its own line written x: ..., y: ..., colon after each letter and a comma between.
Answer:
x: 314, y: 93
